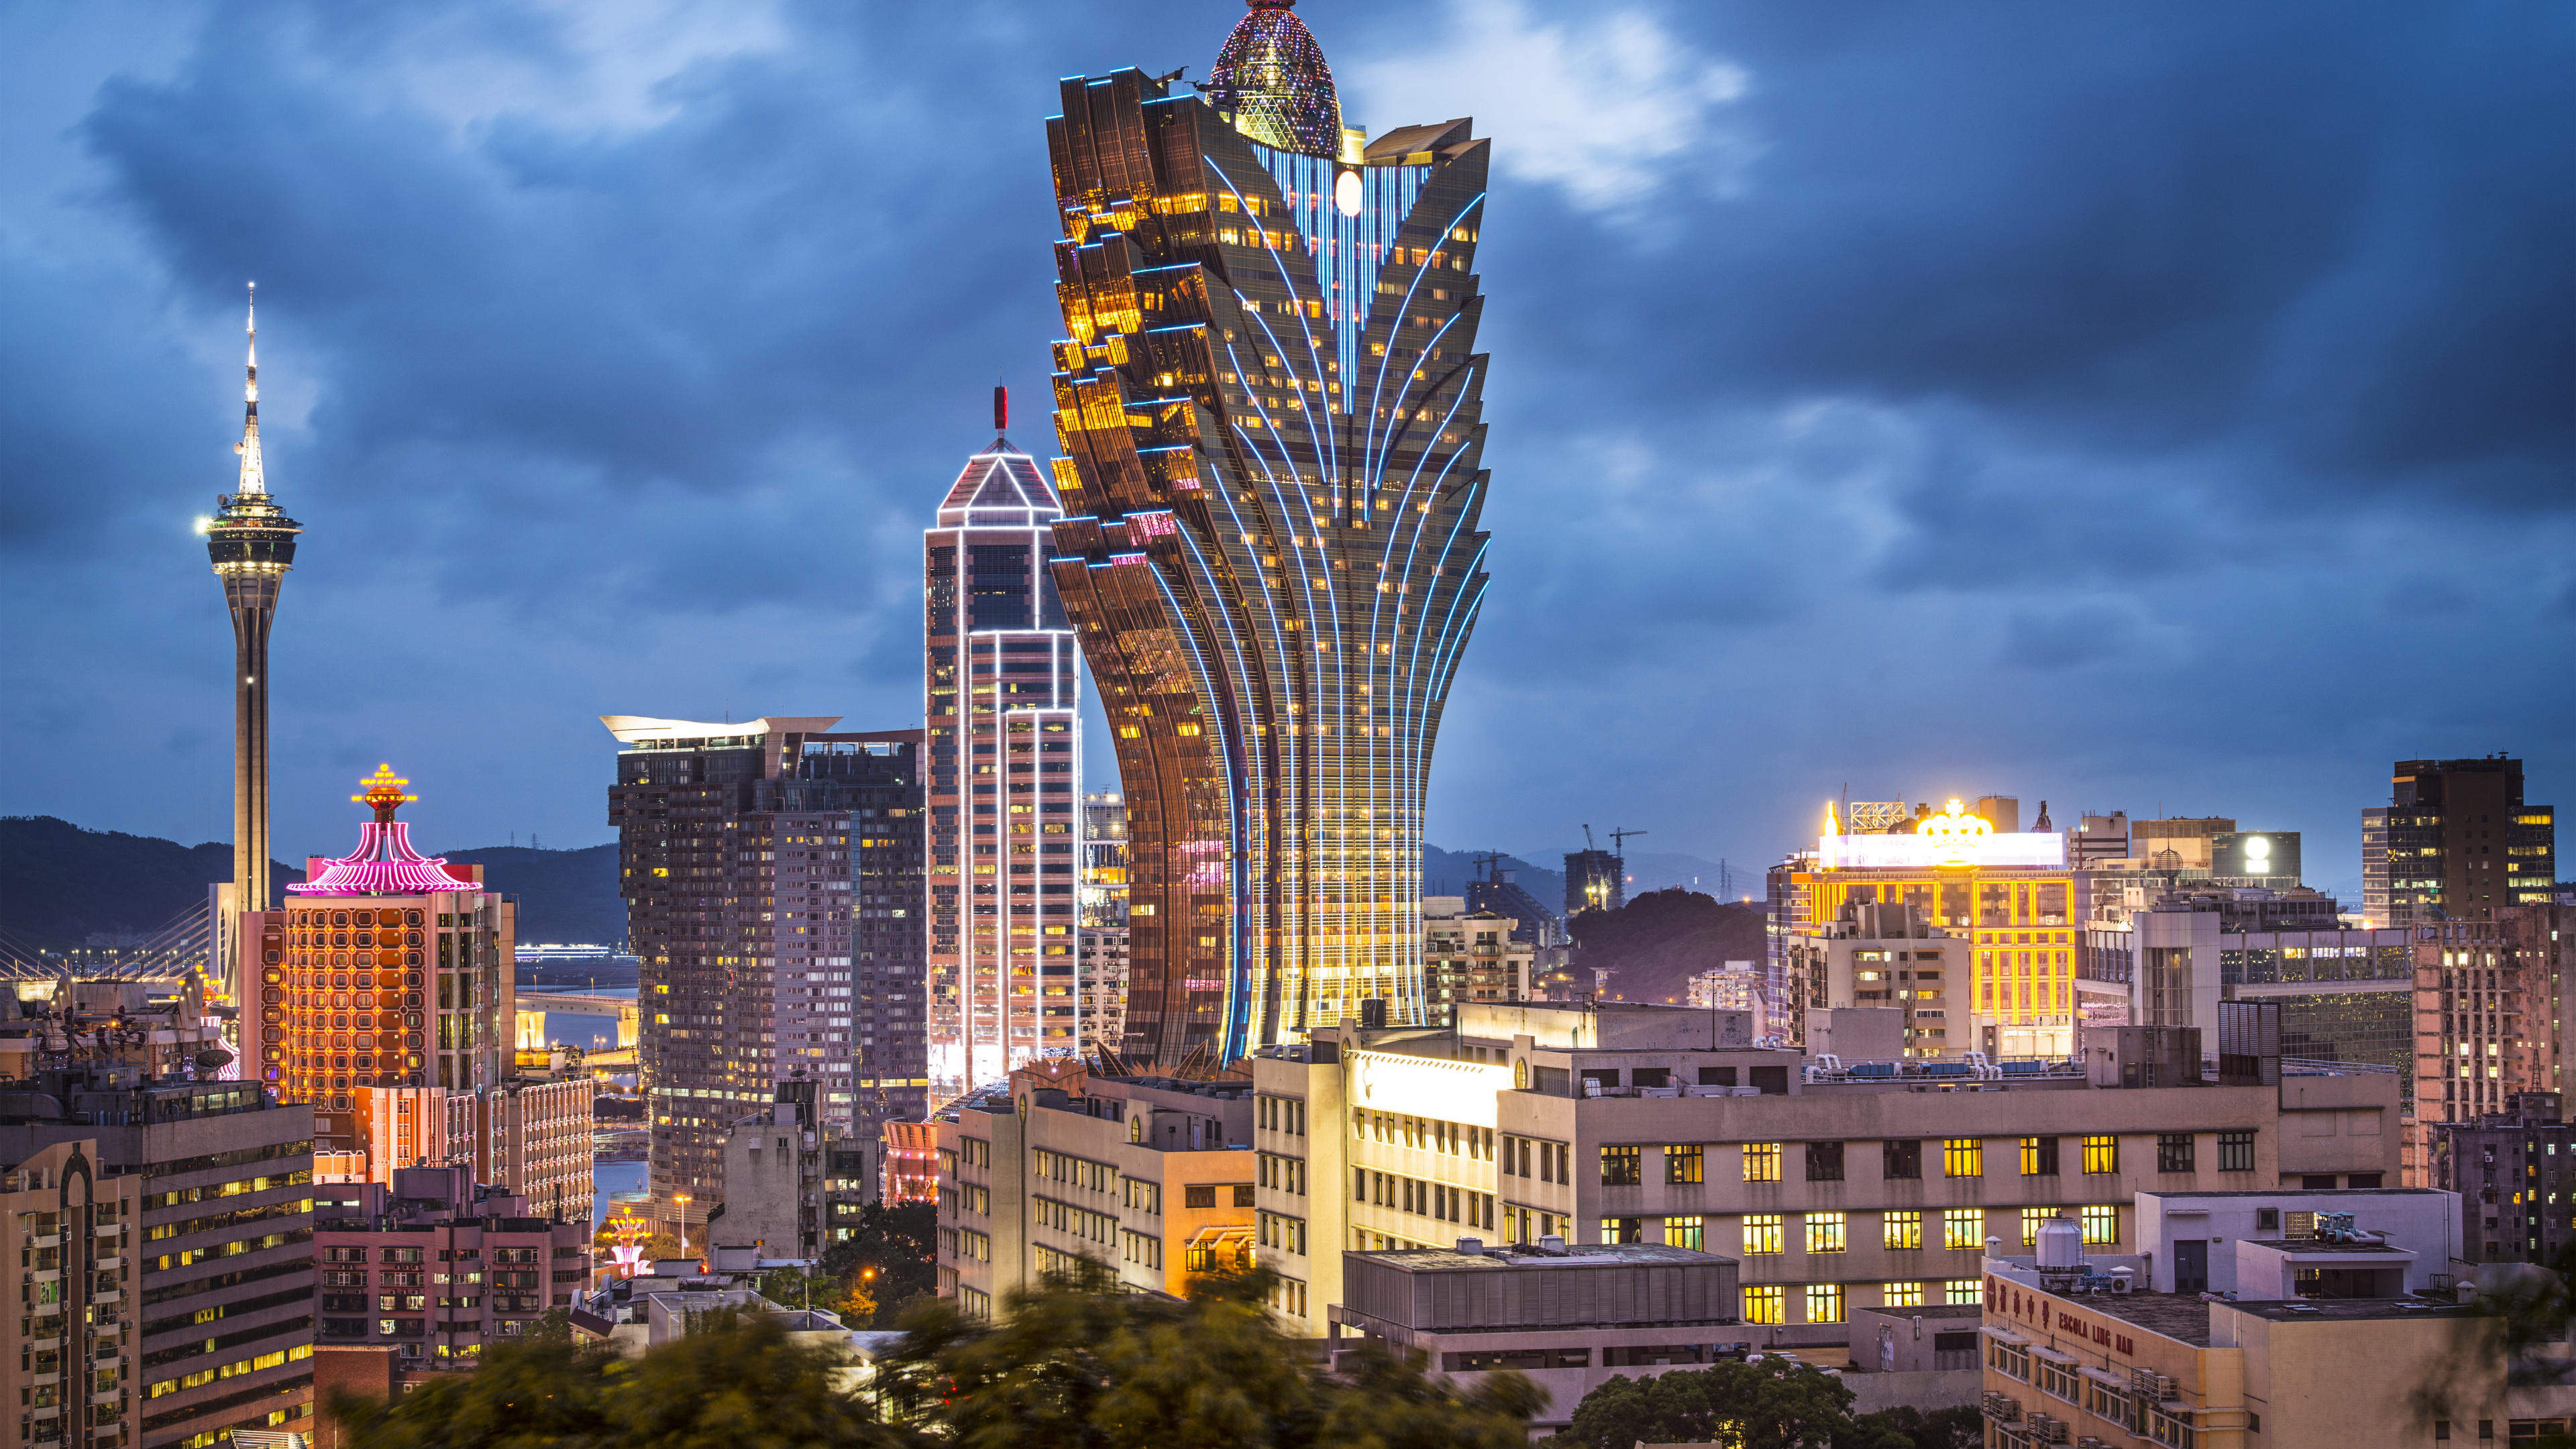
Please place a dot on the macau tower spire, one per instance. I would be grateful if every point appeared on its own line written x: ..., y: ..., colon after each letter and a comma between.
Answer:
x: 251, y: 542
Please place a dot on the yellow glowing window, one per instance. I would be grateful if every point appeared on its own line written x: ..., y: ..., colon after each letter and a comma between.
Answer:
x: 1963, y: 1228
x: 1764, y: 1304
x: 1761, y: 1234
x: 2101, y: 1154
x: 1963, y: 1157
x: 1825, y: 1233
x: 1824, y: 1303
x: 1903, y: 1295
x: 1761, y: 1162
x: 1901, y: 1231
x: 2101, y: 1226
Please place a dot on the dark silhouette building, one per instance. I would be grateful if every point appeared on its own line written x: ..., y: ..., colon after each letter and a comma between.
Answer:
x: 773, y: 877
x: 1269, y: 401
x: 2455, y: 842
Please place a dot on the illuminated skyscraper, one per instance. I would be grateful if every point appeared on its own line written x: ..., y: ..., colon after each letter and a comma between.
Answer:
x: 1000, y: 689
x: 251, y: 542
x: 385, y: 969
x: 1269, y: 405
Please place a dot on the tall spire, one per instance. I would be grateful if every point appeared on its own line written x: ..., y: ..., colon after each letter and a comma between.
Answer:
x: 254, y: 478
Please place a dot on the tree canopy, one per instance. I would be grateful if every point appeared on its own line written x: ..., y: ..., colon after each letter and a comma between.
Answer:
x: 1774, y: 1403
x: 1073, y: 1364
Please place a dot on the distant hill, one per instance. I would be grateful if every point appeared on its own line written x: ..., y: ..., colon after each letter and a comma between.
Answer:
x: 1446, y: 873
x: 1653, y: 870
x: 563, y: 895
x: 1659, y: 940
x: 60, y: 885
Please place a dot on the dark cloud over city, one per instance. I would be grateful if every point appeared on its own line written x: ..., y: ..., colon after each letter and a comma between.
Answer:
x: 2133, y: 406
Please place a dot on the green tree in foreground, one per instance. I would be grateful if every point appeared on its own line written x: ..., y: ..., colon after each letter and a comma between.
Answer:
x: 1075, y: 1363
x: 732, y: 1381
x: 1777, y: 1403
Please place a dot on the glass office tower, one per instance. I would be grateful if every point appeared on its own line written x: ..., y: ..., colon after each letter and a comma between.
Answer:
x: 1000, y: 691
x: 1269, y: 409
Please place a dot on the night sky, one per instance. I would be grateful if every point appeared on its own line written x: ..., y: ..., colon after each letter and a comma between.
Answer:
x: 2128, y: 405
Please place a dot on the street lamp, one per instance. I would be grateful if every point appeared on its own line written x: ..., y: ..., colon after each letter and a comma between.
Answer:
x: 682, y: 1199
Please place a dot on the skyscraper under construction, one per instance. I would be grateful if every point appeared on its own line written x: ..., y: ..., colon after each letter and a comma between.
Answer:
x: 1269, y: 404
x: 251, y: 543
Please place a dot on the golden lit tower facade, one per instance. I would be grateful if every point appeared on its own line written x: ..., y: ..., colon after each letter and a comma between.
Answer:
x: 1269, y: 407
x: 251, y: 542
x: 1001, y: 690
x: 386, y: 969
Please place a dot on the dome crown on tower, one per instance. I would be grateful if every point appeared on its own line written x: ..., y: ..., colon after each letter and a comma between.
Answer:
x: 1271, y: 78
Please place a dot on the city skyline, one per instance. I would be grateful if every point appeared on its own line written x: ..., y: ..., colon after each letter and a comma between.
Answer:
x: 1903, y: 472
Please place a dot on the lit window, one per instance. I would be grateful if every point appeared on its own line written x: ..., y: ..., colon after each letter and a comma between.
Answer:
x: 1902, y: 1231
x: 1682, y: 1164
x: 1761, y: 1162
x: 1761, y: 1305
x: 2031, y: 1220
x: 1903, y: 1295
x: 1761, y: 1234
x: 2101, y: 1226
x: 1684, y: 1232
x: 1824, y: 1303
x: 1963, y: 1228
x: 1825, y: 1233
x: 1964, y: 1290
x: 1963, y: 1157
x: 2101, y: 1154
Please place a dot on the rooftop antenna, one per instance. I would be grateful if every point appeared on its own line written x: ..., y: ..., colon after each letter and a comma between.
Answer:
x: 1001, y: 406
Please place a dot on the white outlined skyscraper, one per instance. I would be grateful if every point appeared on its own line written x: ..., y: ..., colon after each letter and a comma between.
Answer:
x: 1003, y: 762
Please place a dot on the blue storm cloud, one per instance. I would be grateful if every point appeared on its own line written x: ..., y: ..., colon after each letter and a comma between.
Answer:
x: 2121, y: 404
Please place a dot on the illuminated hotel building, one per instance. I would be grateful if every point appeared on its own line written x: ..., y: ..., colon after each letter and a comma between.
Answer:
x: 251, y: 543
x: 1001, y: 686
x: 1269, y: 403
x: 385, y: 969
x: 2008, y: 896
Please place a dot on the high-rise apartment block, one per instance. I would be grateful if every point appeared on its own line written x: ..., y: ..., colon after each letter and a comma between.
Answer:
x: 1104, y: 921
x: 251, y: 543
x: 1001, y: 696
x: 2493, y: 1021
x: 772, y: 872
x: 435, y: 1269
x: 386, y: 969
x: 1471, y: 956
x: 167, y: 1279
x: 2455, y: 842
x: 2514, y: 1170
x: 1269, y: 404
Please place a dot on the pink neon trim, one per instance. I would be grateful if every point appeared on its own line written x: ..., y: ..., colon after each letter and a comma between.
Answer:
x: 384, y: 864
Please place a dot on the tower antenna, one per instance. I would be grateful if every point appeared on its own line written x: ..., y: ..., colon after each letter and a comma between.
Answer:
x: 1001, y: 407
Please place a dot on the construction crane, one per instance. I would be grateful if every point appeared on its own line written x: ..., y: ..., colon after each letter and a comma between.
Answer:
x: 1486, y: 864
x: 1619, y: 840
x: 1587, y: 839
